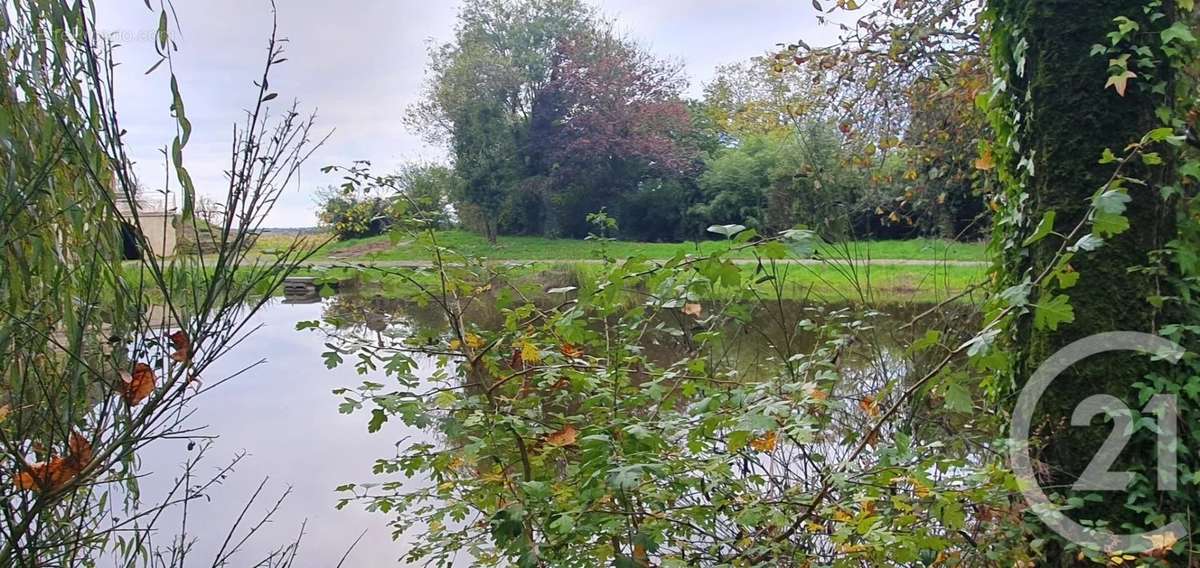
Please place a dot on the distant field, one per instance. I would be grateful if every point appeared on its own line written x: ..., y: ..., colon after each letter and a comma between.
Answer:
x: 540, y: 248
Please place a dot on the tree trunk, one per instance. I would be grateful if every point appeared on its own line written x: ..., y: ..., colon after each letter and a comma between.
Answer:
x: 1068, y: 118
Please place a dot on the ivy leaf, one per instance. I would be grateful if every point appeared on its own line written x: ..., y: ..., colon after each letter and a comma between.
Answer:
x: 1178, y: 32
x: 1053, y: 311
x: 1191, y: 169
x: 1120, y: 82
x: 1045, y: 227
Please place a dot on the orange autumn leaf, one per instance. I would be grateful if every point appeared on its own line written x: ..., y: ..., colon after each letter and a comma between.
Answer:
x: 564, y: 437
x: 59, y: 471
x: 693, y: 310
x: 182, y: 345
x: 986, y: 162
x: 571, y: 351
x: 766, y: 443
x: 869, y: 406
x: 818, y: 394
x: 138, y: 385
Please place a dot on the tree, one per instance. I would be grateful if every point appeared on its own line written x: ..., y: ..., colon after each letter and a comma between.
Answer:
x: 482, y: 87
x: 426, y: 189
x: 485, y: 159
x: 1057, y: 120
x: 610, y: 119
x: 550, y: 115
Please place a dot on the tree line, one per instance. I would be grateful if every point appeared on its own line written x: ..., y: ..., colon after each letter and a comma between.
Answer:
x: 548, y: 115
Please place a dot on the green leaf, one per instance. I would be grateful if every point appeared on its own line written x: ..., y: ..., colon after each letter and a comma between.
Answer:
x: 1045, y: 227
x: 1107, y: 224
x: 932, y: 337
x: 737, y: 440
x: 1066, y: 278
x: 1107, y: 157
x: 1051, y: 312
x: 958, y: 398
x: 1112, y: 201
x: 1178, y: 32
x: 1191, y: 169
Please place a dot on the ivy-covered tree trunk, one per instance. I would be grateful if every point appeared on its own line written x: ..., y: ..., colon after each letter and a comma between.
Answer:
x: 1063, y: 117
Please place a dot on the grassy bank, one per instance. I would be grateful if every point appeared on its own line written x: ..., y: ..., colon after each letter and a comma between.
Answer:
x: 881, y: 285
x: 541, y: 248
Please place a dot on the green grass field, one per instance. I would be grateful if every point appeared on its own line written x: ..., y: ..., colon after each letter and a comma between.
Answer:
x: 540, y: 248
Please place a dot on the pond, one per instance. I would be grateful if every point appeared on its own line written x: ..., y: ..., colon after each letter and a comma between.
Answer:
x: 285, y: 419
x: 283, y: 415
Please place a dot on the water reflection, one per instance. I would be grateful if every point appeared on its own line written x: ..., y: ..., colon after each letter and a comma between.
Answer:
x: 284, y: 417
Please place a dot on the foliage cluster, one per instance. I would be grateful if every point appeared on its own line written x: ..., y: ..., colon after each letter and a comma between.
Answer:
x: 549, y: 115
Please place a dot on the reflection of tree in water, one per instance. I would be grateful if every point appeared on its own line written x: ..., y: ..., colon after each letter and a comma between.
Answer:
x: 856, y: 363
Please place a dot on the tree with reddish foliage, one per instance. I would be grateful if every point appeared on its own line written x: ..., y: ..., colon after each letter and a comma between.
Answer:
x: 609, y: 119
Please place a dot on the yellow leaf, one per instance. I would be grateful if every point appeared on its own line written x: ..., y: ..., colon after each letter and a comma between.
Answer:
x: 1160, y: 544
x: 474, y: 341
x: 813, y: 528
x: 4, y: 412
x: 530, y: 353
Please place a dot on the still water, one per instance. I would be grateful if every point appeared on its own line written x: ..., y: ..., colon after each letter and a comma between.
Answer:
x: 283, y: 416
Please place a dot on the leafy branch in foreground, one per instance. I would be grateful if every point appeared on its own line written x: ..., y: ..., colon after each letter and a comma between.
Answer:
x: 104, y: 355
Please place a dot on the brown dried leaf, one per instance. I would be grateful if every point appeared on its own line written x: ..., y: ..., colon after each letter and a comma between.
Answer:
x: 564, y: 437
x: 693, y: 310
x: 182, y: 345
x: 139, y: 385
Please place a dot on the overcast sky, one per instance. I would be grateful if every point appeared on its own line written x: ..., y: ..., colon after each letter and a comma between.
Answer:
x: 360, y: 64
